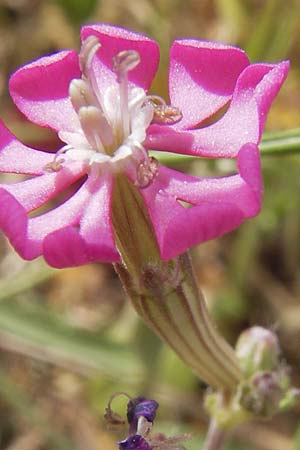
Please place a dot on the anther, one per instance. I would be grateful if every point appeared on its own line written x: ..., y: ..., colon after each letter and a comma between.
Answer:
x: 163, y: 114
x: 166, y: 115
x: 54, y: 166
x: 146, y: 172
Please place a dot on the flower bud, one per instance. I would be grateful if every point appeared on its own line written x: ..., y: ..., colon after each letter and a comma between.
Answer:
x: 257, y: 350
x: 262, y: 395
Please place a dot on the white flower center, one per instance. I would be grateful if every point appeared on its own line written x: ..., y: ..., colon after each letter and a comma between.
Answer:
x: 113, y: 122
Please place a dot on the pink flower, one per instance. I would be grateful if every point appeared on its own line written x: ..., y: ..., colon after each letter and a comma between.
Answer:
x: 99, y: 105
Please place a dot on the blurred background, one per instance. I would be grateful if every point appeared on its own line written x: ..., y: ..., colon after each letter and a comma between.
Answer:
x: 69, y: 339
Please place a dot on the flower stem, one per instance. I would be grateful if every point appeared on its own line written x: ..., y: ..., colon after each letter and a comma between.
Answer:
x: 215, y: 437
x: 280, y: 143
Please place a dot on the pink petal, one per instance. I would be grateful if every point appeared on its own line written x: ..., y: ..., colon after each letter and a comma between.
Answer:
x: 40, y: 90
x: 74, y: 233
x: 93, y: 240
x: 243, y: 189
x: 96, y: 222
x: 65, y: 248
x: 216, y: 205
x: 202, y: 77
x: 17, y: 158
x: 27, y: 235
x: 66, y: 214
x: 36, y: 191
x: 243, y: 122
x: 185, y: 232
x: 114, y: 40
x: 13, y: 221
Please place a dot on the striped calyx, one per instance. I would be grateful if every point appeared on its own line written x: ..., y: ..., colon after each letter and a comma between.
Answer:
x: 166, y: 295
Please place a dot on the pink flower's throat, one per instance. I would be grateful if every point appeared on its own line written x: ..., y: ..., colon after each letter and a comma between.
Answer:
x: 113, y: 122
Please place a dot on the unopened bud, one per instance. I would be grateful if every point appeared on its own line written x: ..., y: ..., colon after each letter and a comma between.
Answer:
x: 262, y: 395
x: 258, y: 350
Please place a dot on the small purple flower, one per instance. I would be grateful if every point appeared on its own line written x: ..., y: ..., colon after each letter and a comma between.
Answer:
x: 135, y: 442
x: 140, y: 407
x: 140, y: 415
x: 98, y: 103
x: 157, y: 442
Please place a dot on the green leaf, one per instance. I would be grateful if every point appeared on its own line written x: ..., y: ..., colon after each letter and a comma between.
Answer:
x: 35, y: 332
x: 264, y: 29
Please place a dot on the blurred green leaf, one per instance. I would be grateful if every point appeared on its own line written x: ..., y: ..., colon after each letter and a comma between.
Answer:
x: 31, y: 330
x: 282, y: 40
x: 148, y: 346
x: 173, y: 372
x: 297, y: 439
x: 264, y: 30
x: 78, y: 10
x: 233, y: 14
x: 31, y: 275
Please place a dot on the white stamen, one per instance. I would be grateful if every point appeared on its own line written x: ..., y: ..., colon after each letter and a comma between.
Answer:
x: 81, y: 154
x: 91, y: 121
x: 73, y: 139
x: 122, y: 153
x: 113, y: 120
x: 81, y: 94
x: 124, y: 62
x: 99, y: 158
x: 88, y: 50
x: 123, y: 83
x: 56, y: 164
x: 96, y: 128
